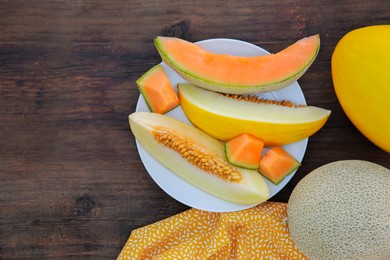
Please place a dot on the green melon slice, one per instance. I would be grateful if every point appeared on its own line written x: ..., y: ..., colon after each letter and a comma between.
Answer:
x: 197, y: 158
x: 157, y: 90
x: 238, y: 75
x: 244, y: 151
x: 277, y: 164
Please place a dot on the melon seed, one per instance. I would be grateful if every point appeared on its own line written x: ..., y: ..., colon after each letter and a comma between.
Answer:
x: 258, y: 100
x: 208, y: 162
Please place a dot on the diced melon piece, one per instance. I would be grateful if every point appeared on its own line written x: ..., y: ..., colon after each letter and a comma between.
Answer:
x: 157, y: 90
x: 277, y: 164
x: 244, y: 151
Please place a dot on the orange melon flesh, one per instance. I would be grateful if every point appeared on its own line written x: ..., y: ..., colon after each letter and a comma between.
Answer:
x: 157, y: 90
x: 209, y: 70
x: 244, y: 151
x: 277, y: 164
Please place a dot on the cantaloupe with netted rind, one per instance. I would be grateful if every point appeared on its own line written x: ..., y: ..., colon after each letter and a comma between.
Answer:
x: 342, y: 211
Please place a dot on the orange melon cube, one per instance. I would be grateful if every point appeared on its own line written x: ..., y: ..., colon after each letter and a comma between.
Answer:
x: 157, y: 90
x: 276, y: 164
x: 244, y: 151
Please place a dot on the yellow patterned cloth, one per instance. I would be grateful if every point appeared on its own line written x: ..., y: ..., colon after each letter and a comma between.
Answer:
x: 256, y: 233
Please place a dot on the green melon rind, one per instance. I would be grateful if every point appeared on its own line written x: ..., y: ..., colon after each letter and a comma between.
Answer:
x: 237, y: 163
x: 225, y: 88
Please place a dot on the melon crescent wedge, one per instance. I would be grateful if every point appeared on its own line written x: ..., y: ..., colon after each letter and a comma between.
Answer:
x: 197, y: 158
x: 237, y: 74
x: 225, y: 117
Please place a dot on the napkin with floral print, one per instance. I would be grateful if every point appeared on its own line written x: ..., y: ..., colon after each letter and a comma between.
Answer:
x: 260, y: 232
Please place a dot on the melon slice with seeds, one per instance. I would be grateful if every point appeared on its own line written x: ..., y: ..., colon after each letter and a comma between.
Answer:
x: 197, y: 158
x: 225, y: 116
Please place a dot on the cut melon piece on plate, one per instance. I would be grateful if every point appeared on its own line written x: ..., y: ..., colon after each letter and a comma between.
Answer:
x: 181, y: 190
x: 227, y: 116
x: 244, y: 151
x: 157, y: 90
x: 197, y: 158
x: 237, y: 74
x: 277, y: 164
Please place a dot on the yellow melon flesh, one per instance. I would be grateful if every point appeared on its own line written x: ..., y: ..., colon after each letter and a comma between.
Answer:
x: 225, y: 118
x: 234, y: 74
x: 250, y: 189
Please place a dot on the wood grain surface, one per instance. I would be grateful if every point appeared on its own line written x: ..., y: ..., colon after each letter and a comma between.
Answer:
x: 72, y: 185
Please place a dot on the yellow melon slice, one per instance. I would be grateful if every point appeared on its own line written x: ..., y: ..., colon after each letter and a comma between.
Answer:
x: 234, y: 74
x: 225, y: 117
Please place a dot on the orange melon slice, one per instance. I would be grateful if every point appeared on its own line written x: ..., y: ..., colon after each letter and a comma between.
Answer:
x: 157, y: 90
x: 244, y: 151
x: 277, y: 164
x: 238, y: 75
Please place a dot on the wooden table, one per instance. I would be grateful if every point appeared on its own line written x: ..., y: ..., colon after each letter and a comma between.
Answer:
x: 72, y: 185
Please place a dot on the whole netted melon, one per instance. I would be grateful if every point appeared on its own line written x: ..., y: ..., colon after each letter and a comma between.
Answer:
x: 342, y: 211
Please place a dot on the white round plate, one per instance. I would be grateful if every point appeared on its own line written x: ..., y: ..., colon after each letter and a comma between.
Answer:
x: 185, y: 192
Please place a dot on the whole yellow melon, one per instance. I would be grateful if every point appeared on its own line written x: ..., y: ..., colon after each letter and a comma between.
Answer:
x: 361, y: 79
x: 342, y: 211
